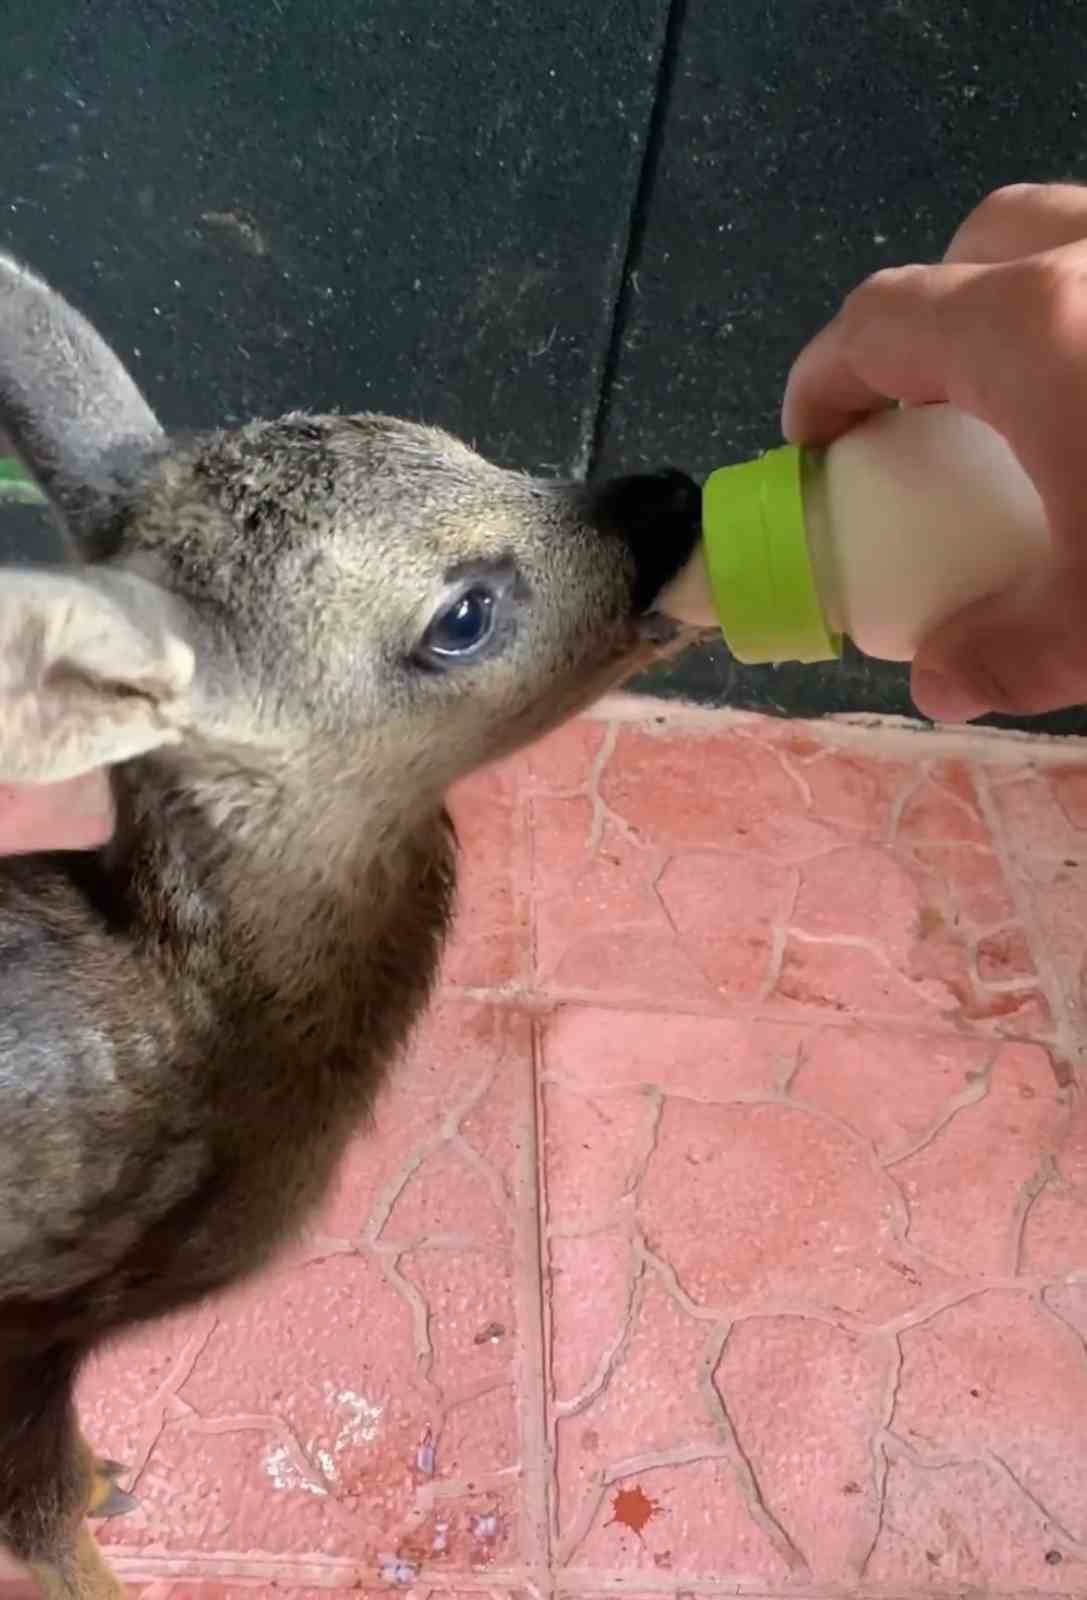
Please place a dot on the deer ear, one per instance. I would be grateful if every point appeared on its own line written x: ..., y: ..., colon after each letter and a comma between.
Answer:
x: 94, y: 668
x: 71, y: 410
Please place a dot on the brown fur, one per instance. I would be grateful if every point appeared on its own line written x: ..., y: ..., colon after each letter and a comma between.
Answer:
x: 195, y: 1020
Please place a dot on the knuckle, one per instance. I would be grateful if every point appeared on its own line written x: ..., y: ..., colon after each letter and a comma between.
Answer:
x: 1054, y: 288
x: 1009, y: 197
x: 875, y: 291
x: 996, y: 222
x: 879, y: 302
x: 998, y: 226
x: 1020, y: 219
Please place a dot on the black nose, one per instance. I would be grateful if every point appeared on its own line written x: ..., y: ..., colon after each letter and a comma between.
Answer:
x: 659, y: 517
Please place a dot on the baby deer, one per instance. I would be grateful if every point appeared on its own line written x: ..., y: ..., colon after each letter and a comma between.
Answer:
x: 287, y: 641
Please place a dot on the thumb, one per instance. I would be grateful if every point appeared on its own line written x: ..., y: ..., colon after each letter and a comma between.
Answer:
x: 1020, y: 652
x: 76, y: 814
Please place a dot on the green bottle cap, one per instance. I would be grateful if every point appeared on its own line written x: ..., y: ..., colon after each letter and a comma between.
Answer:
x: 757, y: 555
x: 16, y: 486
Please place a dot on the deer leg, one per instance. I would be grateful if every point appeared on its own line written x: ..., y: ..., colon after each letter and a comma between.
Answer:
x: 50, y: 1480
x: 77, y: 1572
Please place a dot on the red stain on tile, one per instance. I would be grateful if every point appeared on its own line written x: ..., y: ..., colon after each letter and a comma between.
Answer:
x: 637, y: 1409
x: 730, y: 1232
x: 704, y: 1529
x: 1005, y: 957
x: 633, y: 1508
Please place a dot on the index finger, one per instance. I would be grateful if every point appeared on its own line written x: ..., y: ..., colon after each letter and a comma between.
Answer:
x: 1006, y: 343
x: 890, y: 341
x: 830, y: 389
x: 1020, y: 220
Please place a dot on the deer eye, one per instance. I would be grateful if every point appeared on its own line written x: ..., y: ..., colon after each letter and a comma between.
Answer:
x: 463, y: 627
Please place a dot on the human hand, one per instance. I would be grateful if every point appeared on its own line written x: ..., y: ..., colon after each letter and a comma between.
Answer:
x: 74, y: 815
x: 999, y: 329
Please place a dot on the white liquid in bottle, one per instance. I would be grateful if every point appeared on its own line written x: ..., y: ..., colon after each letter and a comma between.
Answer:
x: 883, y: 535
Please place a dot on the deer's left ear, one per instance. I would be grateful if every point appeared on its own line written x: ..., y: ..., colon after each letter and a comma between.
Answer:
x: 94, y: 668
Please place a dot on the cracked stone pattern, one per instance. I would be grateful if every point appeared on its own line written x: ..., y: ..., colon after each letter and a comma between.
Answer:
x: 724, y: 1230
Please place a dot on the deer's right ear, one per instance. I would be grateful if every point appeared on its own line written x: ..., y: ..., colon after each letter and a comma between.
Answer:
x: 94, y: 669
x: 75, y: 416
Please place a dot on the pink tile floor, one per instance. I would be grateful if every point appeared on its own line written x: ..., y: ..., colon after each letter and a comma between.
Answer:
x: 726, y: 1230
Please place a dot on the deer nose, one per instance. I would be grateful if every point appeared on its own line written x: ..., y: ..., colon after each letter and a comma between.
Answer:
x: 658, y: 515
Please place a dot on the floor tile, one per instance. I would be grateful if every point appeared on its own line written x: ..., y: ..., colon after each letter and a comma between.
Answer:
x: 725, y: 1227
x: 717, y: 871
x: 361, y: 1401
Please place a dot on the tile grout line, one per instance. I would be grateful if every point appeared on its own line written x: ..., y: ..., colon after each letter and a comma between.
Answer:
x: 549, y: 1419
x: 532, y: 1333
x: 543, y: 1002
x: 307, y: 1573
x: 880, y: 735
x: 532, y: 1310
x: 1023, y: 899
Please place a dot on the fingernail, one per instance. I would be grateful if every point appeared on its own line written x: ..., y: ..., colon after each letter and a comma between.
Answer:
x: 943, y: 700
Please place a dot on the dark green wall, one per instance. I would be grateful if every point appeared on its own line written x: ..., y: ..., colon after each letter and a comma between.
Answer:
x: 584, y: 235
